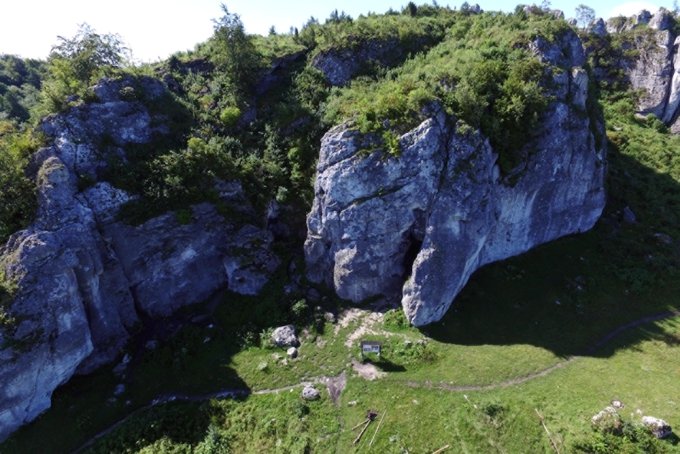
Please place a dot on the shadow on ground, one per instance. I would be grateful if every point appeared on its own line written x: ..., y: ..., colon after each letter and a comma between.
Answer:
x: 576, y: 294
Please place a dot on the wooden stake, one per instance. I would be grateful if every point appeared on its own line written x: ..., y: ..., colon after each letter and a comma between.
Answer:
x: 440, y: 450
x: 376, y: 429
x: 360, y: 424
x: 368, y: 423
x: 552, y: 442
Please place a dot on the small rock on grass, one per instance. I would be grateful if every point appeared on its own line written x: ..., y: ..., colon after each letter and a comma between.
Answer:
x: 292, y: 352
x: 310, y: 393
x: 285, y: 336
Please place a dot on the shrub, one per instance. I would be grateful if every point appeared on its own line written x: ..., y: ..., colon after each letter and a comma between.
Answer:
x: 17, y: 192
x: 230, y: 115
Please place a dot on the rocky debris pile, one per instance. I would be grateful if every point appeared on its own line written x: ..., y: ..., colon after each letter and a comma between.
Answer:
x: 610, y: 421
x: 416, y: 226
x: 85, y: 280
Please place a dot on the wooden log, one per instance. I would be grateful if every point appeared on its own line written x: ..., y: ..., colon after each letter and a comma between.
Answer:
x: 377, y: 428
x: 552, y: 442
x: 368, y: 423
x: 440, y: 450
x: 360, y: 424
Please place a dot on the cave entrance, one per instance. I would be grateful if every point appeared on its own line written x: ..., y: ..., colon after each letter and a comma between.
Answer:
x: 413, y: 246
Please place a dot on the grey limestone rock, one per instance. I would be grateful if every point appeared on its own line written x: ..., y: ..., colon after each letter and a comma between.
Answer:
x: 285, y: 336
x: 655, y: 71
x: 599, y: 27
x: 339, y: 66
x: 309, y: 392
x: 658, y: 427
x: 84, y: 279
x: 416, y: 226
x: 292, y: 352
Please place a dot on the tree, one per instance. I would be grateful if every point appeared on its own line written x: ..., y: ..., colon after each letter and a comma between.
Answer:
x: 88, y: 52
x: 235, y: 52
x: 76, y: 63
x: 585, y: 15
x: 412, y: 9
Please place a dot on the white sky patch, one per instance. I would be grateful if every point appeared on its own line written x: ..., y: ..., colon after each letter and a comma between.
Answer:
x: 632, y: 8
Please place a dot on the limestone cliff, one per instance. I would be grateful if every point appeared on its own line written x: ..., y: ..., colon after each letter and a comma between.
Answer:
x: 416, y: 226
x: 84, y: 279
x: 654, y: 68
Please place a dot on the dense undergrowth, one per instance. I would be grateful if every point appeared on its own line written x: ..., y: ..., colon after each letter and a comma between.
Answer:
x: 483, y: 73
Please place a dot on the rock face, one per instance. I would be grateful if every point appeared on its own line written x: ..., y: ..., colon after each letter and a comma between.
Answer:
x: 417, y: 226
x: 341, y: 65
x: 655, y: 70
x: 85, y: 280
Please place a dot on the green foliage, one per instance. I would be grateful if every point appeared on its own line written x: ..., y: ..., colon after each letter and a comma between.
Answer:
x: 76, y: 63
x: 230, y: 116
x: 483, y: 73
x: 395, y: 320
x: 17, y: 191
x: 177, y: 178
x: 7, y: 292
x: 299, y: 309
x: 628, y: 437
x: 234, y: 52
x: 20, y: 82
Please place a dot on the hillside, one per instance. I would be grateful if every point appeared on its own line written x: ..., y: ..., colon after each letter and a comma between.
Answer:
x: 356, y: 179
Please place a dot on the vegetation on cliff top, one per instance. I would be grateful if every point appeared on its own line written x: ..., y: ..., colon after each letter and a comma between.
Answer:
x: 257, y: 107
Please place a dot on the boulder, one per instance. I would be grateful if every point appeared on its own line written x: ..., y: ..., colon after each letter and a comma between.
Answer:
x: 608, y: 421
x: 658, y: 427
x: 285, y: 336
x: 310, y: 393
x: 629, y: 216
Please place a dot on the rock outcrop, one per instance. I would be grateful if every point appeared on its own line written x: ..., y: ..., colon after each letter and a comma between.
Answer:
x: 339, y: 66
x: 84, y: 279
x: 655, y: 68
x: 416, y: 226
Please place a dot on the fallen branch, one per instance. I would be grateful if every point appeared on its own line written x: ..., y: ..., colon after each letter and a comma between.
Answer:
x: 377, y: 428
x: 367, y: 423
x: 552, y: 442
x: 360, y: 424
x: 440, y: 450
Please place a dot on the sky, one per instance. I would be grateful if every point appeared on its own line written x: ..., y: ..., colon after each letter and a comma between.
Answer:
x: 154, y: 29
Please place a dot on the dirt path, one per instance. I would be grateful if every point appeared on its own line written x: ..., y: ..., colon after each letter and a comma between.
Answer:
x: 542, y: 373
x: 336, y: 385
